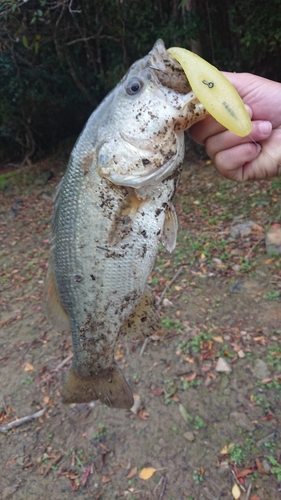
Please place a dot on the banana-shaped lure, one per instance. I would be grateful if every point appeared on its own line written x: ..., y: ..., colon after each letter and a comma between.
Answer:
x: 214, y: 91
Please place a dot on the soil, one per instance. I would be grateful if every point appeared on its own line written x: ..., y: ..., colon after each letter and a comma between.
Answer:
x: 211, y: 435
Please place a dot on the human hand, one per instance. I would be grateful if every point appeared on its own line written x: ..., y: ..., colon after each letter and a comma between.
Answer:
x: 258, y: 155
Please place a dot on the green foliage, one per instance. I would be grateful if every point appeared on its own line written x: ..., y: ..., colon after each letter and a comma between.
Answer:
x: 237, y: 454
x: 276, y: 469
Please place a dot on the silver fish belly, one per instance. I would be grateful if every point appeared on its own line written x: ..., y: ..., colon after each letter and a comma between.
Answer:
x: 113, y: 207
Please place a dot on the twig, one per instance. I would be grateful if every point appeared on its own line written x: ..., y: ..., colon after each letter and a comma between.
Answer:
x: 248, y: 492
x: 238, y: 482
x: 143, y: 347
x: 64, y: 361
x: 163, y: 483
x: 254, y: 246
x: 20, y: 421
x: 4, y: 405
x: 54, y: 462
x: 169, y: 284
x: 163, y: 488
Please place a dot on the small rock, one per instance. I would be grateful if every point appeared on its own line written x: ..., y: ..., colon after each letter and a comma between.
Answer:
x: 236, y: 268
x: 189, y: 436
x: 157, y: 448
x: 223, y: 469
x: 223, y: 366
x: 241, y: 354
x: 237, y: 287
x: 162, y: 443
x: 208, y: 381
x: 241, y: 420
x: 167, y: 303
x: 273, y: 240
x: 244, y: 229
x: 266, y: 465
x: 260, y: 370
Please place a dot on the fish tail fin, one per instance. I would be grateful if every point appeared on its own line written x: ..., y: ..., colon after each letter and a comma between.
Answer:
x: 109, y: 386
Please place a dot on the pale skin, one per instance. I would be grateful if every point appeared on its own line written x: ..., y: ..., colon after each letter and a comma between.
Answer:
x: 239, y: 158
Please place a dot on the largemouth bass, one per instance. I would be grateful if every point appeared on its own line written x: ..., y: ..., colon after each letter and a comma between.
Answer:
x: 112, y: 209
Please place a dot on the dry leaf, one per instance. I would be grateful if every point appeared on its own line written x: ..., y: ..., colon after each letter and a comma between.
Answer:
x: 244, y: 473
x: 28, y: 367
x: 236, y: 493
x: 148, y: 472
x: 260, y: 468
x: 188, y: 378
x: 105, y: 479
x: 132, y: 472
x: 226, y: 449
x: 218, y: 339
x: 143, y: 415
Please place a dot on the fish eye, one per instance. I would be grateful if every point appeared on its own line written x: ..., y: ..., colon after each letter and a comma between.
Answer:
x: 134, y: 86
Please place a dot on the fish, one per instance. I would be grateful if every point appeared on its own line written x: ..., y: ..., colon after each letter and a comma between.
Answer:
x: 112, y: 209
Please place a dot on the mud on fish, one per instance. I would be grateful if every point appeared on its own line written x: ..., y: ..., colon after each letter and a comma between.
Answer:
x: 113, y: 207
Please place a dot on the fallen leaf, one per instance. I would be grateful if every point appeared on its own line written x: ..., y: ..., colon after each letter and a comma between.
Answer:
x: 226, y: 449
x: 157, y: 391
x: 143, y: 415
x: 28, y: 367
x: 105, y: 479
x: 236, y: 493
x: 185, y: 415
x: 132, y: 472
x: 188, y: 378
x: 86, y: 476
x: 218, y: 339
x: 244, y: 473
x: 267, y: 380
x: 74, y: 485
x: 260, y: 468
x: 147, y: 472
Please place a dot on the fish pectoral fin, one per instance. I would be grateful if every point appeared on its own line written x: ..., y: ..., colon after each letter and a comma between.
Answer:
x: 54, y: 310
x: 145, y: 320
x: 109, y: 386
x: 170, y: 229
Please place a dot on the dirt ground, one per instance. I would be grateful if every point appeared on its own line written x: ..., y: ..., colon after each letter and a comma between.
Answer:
x: 209, y: 434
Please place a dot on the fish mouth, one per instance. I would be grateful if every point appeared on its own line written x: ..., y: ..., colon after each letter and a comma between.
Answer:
x: 168, y: 71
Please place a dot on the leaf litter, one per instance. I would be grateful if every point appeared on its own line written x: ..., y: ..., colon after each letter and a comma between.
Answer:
x: 203, y: 320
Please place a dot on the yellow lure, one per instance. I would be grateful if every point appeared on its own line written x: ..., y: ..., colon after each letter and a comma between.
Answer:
x: 214, y: 91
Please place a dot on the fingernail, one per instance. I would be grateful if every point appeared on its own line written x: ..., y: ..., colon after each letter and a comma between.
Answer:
x: 265, y: 128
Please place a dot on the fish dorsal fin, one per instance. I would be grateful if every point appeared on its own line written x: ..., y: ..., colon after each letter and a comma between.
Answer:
x: 170, y: 229
x: 145, y: 319
x: 54, y: 310
x: 108, y: 385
